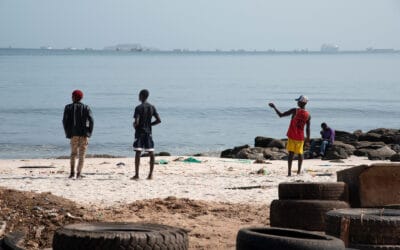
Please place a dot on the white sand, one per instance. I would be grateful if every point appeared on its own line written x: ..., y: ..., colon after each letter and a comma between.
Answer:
x: 106, y: 184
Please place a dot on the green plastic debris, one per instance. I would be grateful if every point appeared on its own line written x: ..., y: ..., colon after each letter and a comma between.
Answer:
x: 191, y: 160
x: 162, y: 162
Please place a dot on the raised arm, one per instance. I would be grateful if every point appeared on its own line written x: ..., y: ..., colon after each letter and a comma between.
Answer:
x: 279, y: 113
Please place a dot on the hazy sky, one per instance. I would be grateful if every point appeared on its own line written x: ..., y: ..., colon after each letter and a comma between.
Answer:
x: 201, y: 24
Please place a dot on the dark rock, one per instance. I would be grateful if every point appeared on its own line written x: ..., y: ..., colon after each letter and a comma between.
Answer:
x: 250, y: 153
x: 277, y: 144
x: 345, y: 137
x: 163, y: 154
x: 347, y: 147
x: 261, y: 141
x: 396, y: 147
x: 384, y: 131
x: 395, y: 158
x: 227, y: 153
x: 371, y: 137
x: 274, y: 154
x: 335, y: 153
x: 231, y: 153
x: 362, y: 152
x: 383, y: 153
x: 369, y: 145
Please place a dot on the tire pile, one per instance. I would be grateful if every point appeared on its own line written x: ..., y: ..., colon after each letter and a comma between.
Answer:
x: 366, y: 228
x: 304, y: 205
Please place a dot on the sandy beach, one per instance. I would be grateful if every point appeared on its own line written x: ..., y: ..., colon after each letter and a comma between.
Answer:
x: 107, y: 181
x: 212, y: 200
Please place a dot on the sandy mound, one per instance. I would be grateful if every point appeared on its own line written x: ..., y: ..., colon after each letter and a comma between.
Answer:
x: 211, y: 225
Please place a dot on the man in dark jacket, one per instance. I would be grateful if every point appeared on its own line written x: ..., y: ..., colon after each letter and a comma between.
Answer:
x: 78, y: 126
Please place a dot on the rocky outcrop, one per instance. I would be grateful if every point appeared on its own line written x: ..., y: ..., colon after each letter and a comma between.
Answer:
x: 377, y: 144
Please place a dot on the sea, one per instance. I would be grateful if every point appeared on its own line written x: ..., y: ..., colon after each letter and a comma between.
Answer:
x: 207, y: 101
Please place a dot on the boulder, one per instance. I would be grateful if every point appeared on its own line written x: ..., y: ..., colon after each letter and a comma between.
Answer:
x: 347, y: 147
x: 277, y: 144
x: 369, y: 145
x: 345, y: 137
x: 371, y: 137
x: 383, y: 153
x: 274, y: 154
x: 385, y: 131
x: 231, y: 153
x: 250, y: 153
x: 395, y: 158
x: 362, y: 152
x: 261, y: 141
x: 396, y: 147
x: 335, y: 153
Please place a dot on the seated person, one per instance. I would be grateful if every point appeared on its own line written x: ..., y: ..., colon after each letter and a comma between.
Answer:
x: 328, y: 137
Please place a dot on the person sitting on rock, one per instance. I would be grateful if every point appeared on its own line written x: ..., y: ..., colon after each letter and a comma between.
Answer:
x: 328, y: 138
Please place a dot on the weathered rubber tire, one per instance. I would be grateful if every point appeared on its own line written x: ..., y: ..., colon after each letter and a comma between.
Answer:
x: 313, y: 191
x: 302, y: 214
x: 375, y: 247
x: 283, y: 238
x: 366, y: 226
x: 113, y: 235
x: 13, y: 241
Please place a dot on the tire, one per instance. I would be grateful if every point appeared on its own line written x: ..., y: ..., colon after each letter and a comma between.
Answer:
x: 366, y: 226
x: 282, y: 238
x: 13, y: 241
x: 127, y: 236
x: 375, y: 247
x: 302, y: 214
x: 313, y: 191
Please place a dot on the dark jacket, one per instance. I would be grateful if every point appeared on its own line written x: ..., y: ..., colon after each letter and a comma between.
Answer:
x: 77, y: 120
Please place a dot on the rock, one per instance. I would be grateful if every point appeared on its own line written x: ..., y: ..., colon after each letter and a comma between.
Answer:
x: 396, y: 147
x: 347, y: 147
x: 383, y: 153
x: 163, y: 154
x: 250, y: 153
x: 227, y: 153
x: 385, y: 131
x: 345, y: 137
x: 274, y: 154
x: 369, y: 145
x: 371, y: 137
x: 335, y: 153
x: 362, y: 152
x: 231, y: 153
x: 395, y: 158
x: 261, y: 141
x: 277, y: 144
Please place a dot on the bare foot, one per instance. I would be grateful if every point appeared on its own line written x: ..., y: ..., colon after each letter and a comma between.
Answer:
x: 150, y: 177
x: 71, y: 176
x: 79, y: 176
x: 135, y: 178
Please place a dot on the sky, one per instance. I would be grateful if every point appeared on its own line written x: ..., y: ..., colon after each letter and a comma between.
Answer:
x: 201, y: 24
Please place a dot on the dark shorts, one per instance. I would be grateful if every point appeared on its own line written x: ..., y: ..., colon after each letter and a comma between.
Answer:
x: 143, y: 142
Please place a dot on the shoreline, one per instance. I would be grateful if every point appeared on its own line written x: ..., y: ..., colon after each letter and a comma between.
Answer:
x: 107, y: 180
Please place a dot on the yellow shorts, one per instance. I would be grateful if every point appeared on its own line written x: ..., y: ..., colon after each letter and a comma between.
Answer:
x: 295, y: 146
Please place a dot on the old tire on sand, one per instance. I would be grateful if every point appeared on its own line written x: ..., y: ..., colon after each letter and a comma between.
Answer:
x: 302, y: 214
x: 375, y: 247
x: 282, y: 238
x: 365, y: 226
x: 113, y: 235
x: 313, y: 191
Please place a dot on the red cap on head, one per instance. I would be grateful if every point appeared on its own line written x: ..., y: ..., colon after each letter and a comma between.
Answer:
x: 77, y: 95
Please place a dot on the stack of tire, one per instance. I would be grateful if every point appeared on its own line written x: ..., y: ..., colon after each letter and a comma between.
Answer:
x: 366, y: 228
x: 303, y: 205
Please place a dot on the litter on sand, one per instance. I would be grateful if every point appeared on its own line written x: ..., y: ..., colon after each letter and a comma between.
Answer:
x: 161, y: 162
x: 191, y: 160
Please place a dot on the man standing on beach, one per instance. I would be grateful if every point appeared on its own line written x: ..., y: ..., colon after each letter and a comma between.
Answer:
x: 143, y: 137
x: 300, y: 118
x: 78, y: 126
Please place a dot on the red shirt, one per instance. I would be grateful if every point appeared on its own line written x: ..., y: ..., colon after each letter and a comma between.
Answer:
x: 296, y: 127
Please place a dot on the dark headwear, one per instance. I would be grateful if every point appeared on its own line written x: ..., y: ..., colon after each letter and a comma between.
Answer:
x: 77, y: 95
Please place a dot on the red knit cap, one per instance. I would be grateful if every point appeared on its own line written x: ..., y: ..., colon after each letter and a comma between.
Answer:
x: 77, y: 95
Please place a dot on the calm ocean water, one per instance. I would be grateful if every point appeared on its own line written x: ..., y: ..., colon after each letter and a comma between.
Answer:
x: 207, y: 102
